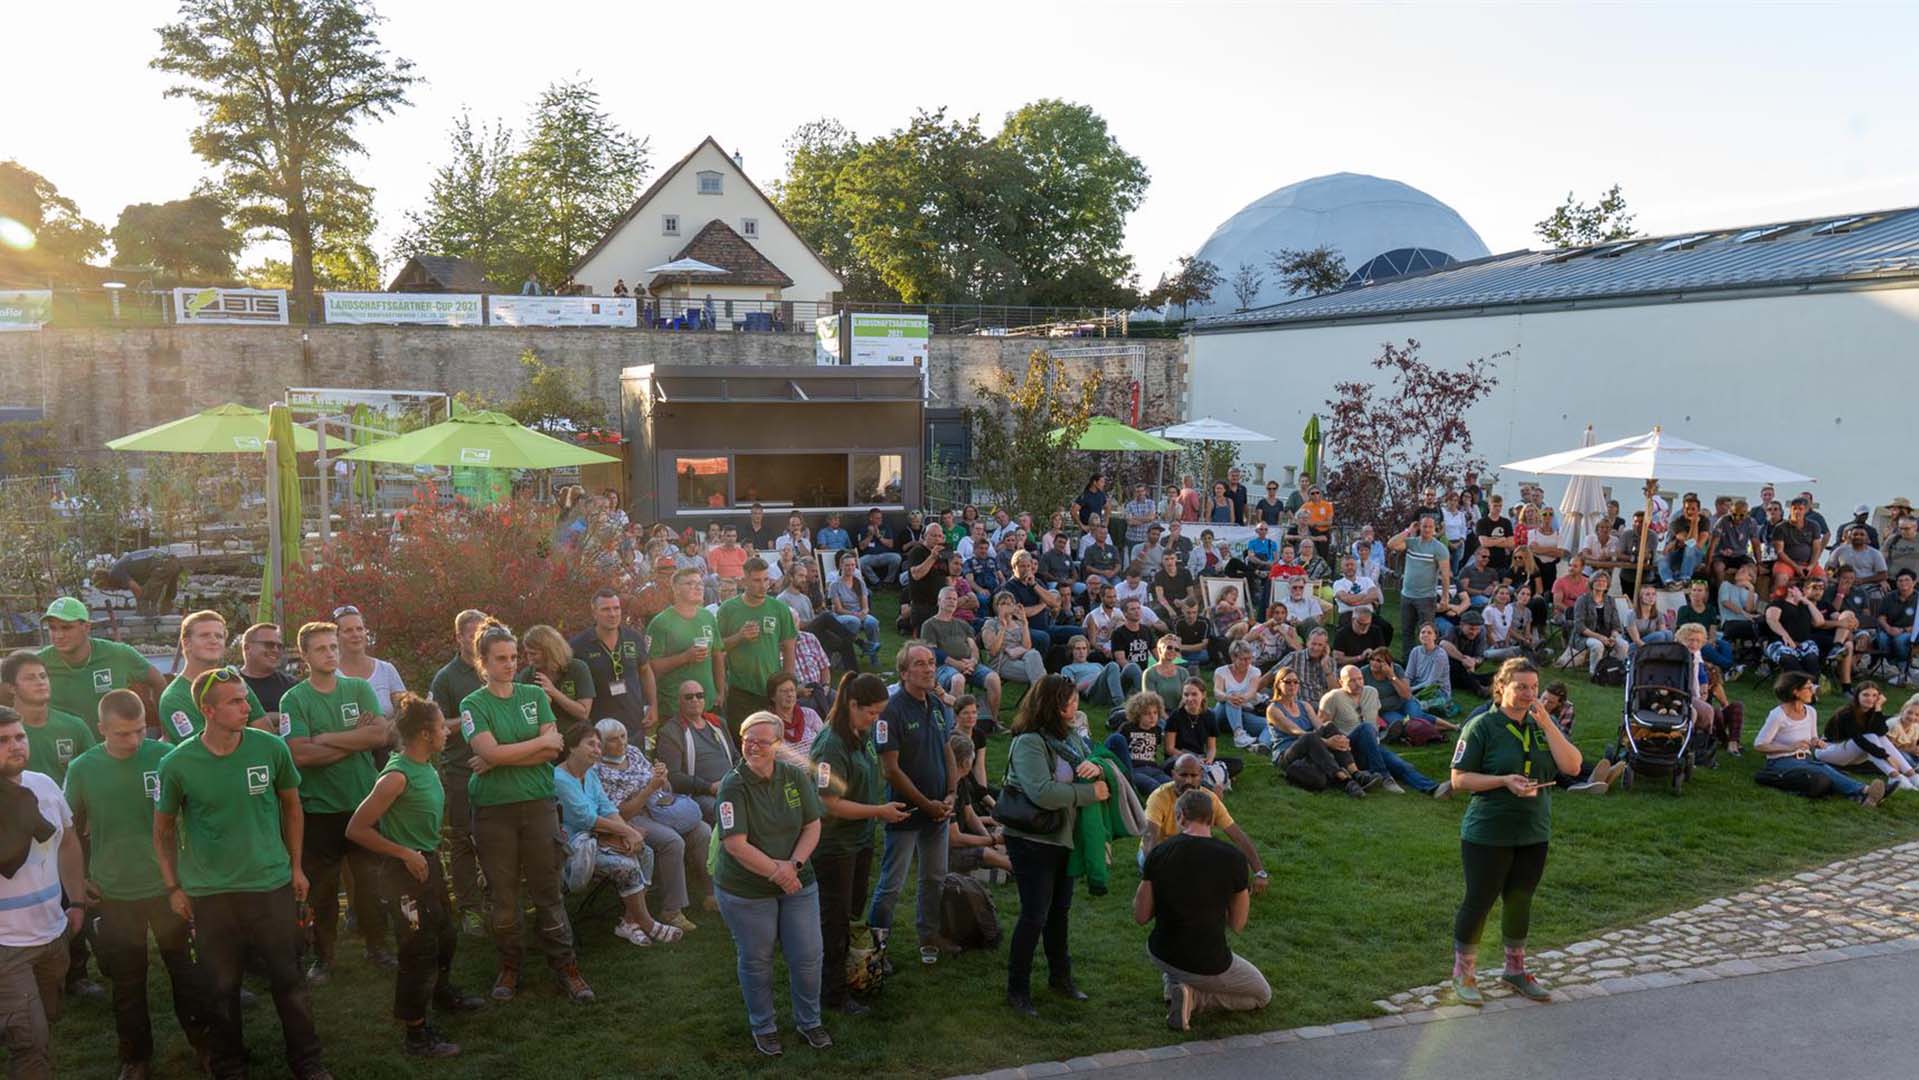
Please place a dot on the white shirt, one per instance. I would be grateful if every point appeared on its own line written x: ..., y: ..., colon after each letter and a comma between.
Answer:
x: 1457, y: 524
x: 1499, y: 623
x: 1780, y: 728
x: 965, y: 547
x: 1300, y: 610
x: 1345, y: 587
x: 386, y: 682
x: 30, y: 912
x: 1127, y: 590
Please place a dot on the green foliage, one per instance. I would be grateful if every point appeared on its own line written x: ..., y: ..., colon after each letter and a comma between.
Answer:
x: 188, y: 240
x: 1192, y: 282
x: 45, y: 549
x: 1013, y: 456
x: 1308, y: 271
x: 551, y: 398
x: 475, y: 207
x: 1574, y: 224
x: 282, y: 86
x: 1247, y: 281
x: 578, y: 174
x: 938, y: 212
x: 63, y: 236
x: 27, y: 447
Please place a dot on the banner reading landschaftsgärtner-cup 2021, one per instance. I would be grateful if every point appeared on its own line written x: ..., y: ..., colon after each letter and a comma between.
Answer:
x: 434, y: 309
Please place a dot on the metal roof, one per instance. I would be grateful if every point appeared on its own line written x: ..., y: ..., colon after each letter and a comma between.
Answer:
x: 1836, y: 248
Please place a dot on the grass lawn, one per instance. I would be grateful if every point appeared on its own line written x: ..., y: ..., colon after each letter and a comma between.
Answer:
x: 1360, y: 907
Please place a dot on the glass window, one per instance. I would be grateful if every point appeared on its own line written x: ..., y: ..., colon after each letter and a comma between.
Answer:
x: 791, y: 479
x: 750, y: 228
x: 709, y: 183
x: 702, y: 482
x: 670, y: 224
x: 878, y: 479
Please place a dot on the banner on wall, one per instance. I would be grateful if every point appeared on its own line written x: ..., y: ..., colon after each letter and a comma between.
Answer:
x: 229, y: 306
x: 25, y: 309
x: 826, y: 342
x: 890, y: 339
x: 419, y: 309
x: 505, y: 310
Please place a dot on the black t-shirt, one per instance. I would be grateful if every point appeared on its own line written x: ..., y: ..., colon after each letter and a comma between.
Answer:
x: 1237, y: 493
x: 1350, y: 642
x: 1270, y: 510
x: 615, y: 669
x: 871, y: 545
x: 1133, y: 646
x: 1795, y: 541
x: 762, y: 539
x: 1176, y: 585
x: 1090, y: 502
x: 1191, y: 633
x: 924, y: 592
x: 269, y: 688
x: 1194, y: 881
x: 1478, y: 580
x: 1190, y: 732
x: 1496, y: 528
x: 1101, y: 559
x: 1796, y: 619
x: 1899, y: 610
x: 1143, y: 746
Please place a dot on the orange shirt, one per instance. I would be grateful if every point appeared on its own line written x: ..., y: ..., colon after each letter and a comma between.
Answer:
x: 728, y: 563
x: 1319, y: 513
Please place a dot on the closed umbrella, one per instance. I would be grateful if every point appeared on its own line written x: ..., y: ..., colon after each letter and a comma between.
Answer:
x: 223, y: 429
x: 489, y: 440
x: 363, y: 482
x: 1315, y: 445
x: 1106, y: 433
x: 284, y: 531
x: 1583, y: 503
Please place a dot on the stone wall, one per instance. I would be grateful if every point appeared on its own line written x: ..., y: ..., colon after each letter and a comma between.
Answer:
x: 98, y: 384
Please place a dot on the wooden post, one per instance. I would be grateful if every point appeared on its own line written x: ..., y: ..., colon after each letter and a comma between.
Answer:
x: 1641, y: 565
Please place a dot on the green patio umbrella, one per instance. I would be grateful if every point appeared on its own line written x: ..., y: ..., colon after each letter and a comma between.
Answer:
x: 363, y: 483
x: 1315, y: 444
x: 223, y: 429
x: 1106, y: 433
x: 487, y: 439
x: 284, y: 530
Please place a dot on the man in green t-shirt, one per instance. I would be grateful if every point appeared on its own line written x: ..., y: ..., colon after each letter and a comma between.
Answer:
x: 227, y: 832
x: 759, y: 636
x: 683, y: 642
x: 333, y: 725
x: 54, y: 738
x: 203, y: 647
x: 451, y: 684
x: 83, y: 668
x: 112, y: 789
x: 1427, y: 576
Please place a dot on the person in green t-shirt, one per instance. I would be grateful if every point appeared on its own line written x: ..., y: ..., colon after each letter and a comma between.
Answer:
x: 227, y: 832
x: 451, y: 684
x: 769, y: 812
x: 54, y: 738
x: 846, y: 774
x: 399, y: 822
x: 759, y: 636
x: 510, y: 728
x: 333, y: 724
x: 683, y: 642
x: 112, y: 789
x: 1508, y: 757
x: 551, y: 666
x: 203, y: 647
x: 84, y: 668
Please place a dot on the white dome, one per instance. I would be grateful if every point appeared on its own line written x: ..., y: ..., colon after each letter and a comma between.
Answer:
x: 1360, y: 217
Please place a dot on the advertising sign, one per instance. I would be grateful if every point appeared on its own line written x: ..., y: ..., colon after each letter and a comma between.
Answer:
x: 890, y: 339
x: 826, y: 345
x: 229, y: 306
x: 420, y: 309
x: 25, y: 309
x: 561, y: 311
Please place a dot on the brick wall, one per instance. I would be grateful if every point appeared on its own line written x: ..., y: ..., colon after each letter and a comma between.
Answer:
x: 98, y: 384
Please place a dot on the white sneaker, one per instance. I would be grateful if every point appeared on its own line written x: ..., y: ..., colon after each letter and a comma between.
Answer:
x: 1591, y: 787
x: 1391, y: 787
x: 1242, y: 740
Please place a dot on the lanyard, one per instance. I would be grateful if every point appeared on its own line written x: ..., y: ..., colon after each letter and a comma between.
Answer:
x: 612, y: 655
x: 1525, y: 742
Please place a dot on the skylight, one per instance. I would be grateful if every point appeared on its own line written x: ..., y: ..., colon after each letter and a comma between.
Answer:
x: 1684, y: 242
x: 1843, y: 224
x: 1766, y: 232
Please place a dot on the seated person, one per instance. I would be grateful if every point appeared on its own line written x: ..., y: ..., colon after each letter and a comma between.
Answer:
x: 1209, y: 559
x: 1099, y: 557
x: 1189, y: 774
x: 1368, y: 555
x: 1358, y: 635
x: 1192, y: 729
x: 1167, y: 676
x: 1594, y: 777
x: 1356, y: 590
x: 1893, y: 623
x: 1699, y: 609
x: 1314, y: 665
x: 1312, y: 563
x: 1007, y: 642
x: 970, y: 843
x: 1098, y: 684
x: 1191, y: 889
x: 671, y: 823
x: 1352, y: 708
x: 1058, y: 571
x: 697, y: 749
x: 1239, y: 705
x: 1449, y: 608
x: 1398, y: 707
x: 1304, y: 611
x: 957, y: 652
x: 1596, y: 626
x: 1133, y: 641
x: 1137, y: 742
x: 1271, y: 638
x: 1790, y: 737
x: 620, y: 854
x: 1173, y: 584
x: 1465, y: 650
x: 1430, y: 672
x: 1857, y: 734
x: 1227, y: 616
x: 1480, y: 577
x: 1311, y: 755
x: 1195, y: 634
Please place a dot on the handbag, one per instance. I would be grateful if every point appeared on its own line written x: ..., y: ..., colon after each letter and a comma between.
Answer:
x: 1016, y: 810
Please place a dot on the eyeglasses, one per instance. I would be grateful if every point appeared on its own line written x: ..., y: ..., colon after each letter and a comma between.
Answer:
x: 758, y: 744
x: 266, y: 644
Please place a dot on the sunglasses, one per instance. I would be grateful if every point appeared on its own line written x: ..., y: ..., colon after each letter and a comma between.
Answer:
x: 696, y: 695
x: 265, y: 644
x: 344, y: 609
x: 204, y: 685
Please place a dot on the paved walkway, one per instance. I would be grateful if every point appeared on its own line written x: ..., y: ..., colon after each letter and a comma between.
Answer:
x: 1854, y: 909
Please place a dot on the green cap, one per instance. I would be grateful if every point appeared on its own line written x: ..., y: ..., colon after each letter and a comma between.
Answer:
x: 68, y: 609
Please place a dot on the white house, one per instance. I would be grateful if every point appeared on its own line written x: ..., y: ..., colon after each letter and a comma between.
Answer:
x: 1791, y: 342
x: 706, y: 208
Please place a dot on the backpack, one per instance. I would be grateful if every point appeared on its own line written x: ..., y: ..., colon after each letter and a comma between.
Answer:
x: 968, y: 919
x: 1610, y: 672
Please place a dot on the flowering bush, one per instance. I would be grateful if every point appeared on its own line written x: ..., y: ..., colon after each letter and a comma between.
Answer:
x: 436, y: 559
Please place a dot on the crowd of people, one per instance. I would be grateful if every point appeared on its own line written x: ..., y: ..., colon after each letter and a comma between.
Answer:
x: 690, y: 750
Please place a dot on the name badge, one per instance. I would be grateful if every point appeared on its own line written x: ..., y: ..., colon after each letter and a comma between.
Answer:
x: 616, y: 687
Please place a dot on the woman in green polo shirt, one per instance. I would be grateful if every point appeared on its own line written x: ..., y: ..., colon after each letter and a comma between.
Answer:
x: 769, y: 814
x: 846, y: 773
x: 400, y: 819
x: 1508, y: 756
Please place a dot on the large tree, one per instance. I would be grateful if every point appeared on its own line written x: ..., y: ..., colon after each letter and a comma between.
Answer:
x: 476, y: 205
x: 808, y: 196
x: 188, y: 240
x: 1574, y: 224
x: 282, y: 87
x: 1075, y: 186
x: 61, y: 235
x: 578, y: 173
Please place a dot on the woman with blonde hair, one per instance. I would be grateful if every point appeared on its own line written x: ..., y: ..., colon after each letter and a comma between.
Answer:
x: 551, y: 666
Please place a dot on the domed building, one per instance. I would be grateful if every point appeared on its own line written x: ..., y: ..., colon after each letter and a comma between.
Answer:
x: 1381, y: 227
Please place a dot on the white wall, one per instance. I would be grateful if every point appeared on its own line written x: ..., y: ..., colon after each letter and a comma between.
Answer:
x: 641, y: 243
x: 1823, y: 383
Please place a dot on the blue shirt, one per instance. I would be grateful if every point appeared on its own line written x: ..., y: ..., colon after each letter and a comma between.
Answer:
x: 916, y: 731
x: 834, y: 540
x: 581, y: 801
x: 984, y: 570
x: 1263, y: 547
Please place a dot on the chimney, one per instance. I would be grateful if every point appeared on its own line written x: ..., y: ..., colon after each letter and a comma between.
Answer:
x: 738, y: 161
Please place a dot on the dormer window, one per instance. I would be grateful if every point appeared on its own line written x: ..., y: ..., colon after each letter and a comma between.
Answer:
x: 709, y: 183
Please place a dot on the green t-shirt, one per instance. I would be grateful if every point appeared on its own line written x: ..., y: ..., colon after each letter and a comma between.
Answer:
x: 180, y: 716
x: 576, y: 682
x: 229, y: 809
x: 52, y: 746
x: 750, y: 663
x: 850, y: 772
x: 671, y: 633
x: 770, y: 813
x: 413, y: 820
x: 116, y: 798
x: 337, y: 788
x: 77, y: 689
x: 1496, y: 746
x: 510, y: 720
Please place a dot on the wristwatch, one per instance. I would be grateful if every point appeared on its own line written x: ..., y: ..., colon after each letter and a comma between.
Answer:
x: 1262, y: 875
x: 798, y: 865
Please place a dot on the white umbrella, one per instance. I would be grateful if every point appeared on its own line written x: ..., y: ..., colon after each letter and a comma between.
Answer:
x: 685, y: 266
x: 1209, y: 429
x: 1584, y: 500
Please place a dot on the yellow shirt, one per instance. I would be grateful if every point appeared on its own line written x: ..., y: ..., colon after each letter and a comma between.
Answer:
x: 1159, y: 811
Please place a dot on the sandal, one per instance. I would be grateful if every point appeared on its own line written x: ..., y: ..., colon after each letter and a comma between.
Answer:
x: 627, y: 931
x: 665, y: 934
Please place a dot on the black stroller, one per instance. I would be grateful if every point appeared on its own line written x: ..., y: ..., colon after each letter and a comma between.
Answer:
x: 1657, y: 733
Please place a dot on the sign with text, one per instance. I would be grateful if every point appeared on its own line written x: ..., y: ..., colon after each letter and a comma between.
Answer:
x: 890, y: 339
x: 561, y: 311
x: 25, y: 309
x: 421, y: 309
x: 229, y: 306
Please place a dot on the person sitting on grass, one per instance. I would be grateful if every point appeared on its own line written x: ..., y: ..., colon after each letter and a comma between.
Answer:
x: 1098, y: 684
x: 1137, y: 742
x: 1239, y: 705
x: 1196, y: 644
x: 1857, y: 734
x: 1398, y: 705
x: 1904, y: 731
x: 1430, y: 671
x: 1189, y: 774
x: 1465, y: 649
x: 1312, y: 756
x: 1191, y: 889
x: 1314, y: 666
x: 1167, y: 677
x: 1192, y: 729
x: 971, y: 844
x: 1790, y: 738
x: 1352, y: 708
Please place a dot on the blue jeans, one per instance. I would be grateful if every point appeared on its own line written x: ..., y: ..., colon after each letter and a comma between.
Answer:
x: 1898, y: 647
x: 854, y: 624
x: 1719, y: 654
x: 1374, y: 758
x: 884, y: 566
x: 1688, y: 561
x: 1842, y: 784
x: 793, y: 923
x: 1109, y: 686
x: 1656, y: 635
x: 1411, y: 710
x: 897, y: 856
x: 1231, y: 717
x: 1146, y: 778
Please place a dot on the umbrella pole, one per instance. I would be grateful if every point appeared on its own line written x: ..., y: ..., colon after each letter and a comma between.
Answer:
x: 326, y: 507
x: 274, y: 569
x: 1640, y: 563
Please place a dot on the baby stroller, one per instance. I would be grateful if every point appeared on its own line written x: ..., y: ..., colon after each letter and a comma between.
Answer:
x: 1656, y: 732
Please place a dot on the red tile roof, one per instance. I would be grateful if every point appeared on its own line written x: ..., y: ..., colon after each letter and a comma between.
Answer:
x: 718, y: 245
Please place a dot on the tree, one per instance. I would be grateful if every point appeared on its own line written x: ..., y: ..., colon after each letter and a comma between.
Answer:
x: 281, y: 86
x: 1246, y: 283
x: 578, y: 173
x: 186, y: 239
x: 1388, y: 438
x: 1192, y: 282
x: 1013, y: 455
x: 808, y: 196
x: 1308, y: 271
x: 1574, y: 224
x: 1076, y: 186
x: 62, y: 236
x: 476, y: 205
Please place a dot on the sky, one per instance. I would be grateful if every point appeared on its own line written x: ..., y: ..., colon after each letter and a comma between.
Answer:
x: 1708, y: 114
